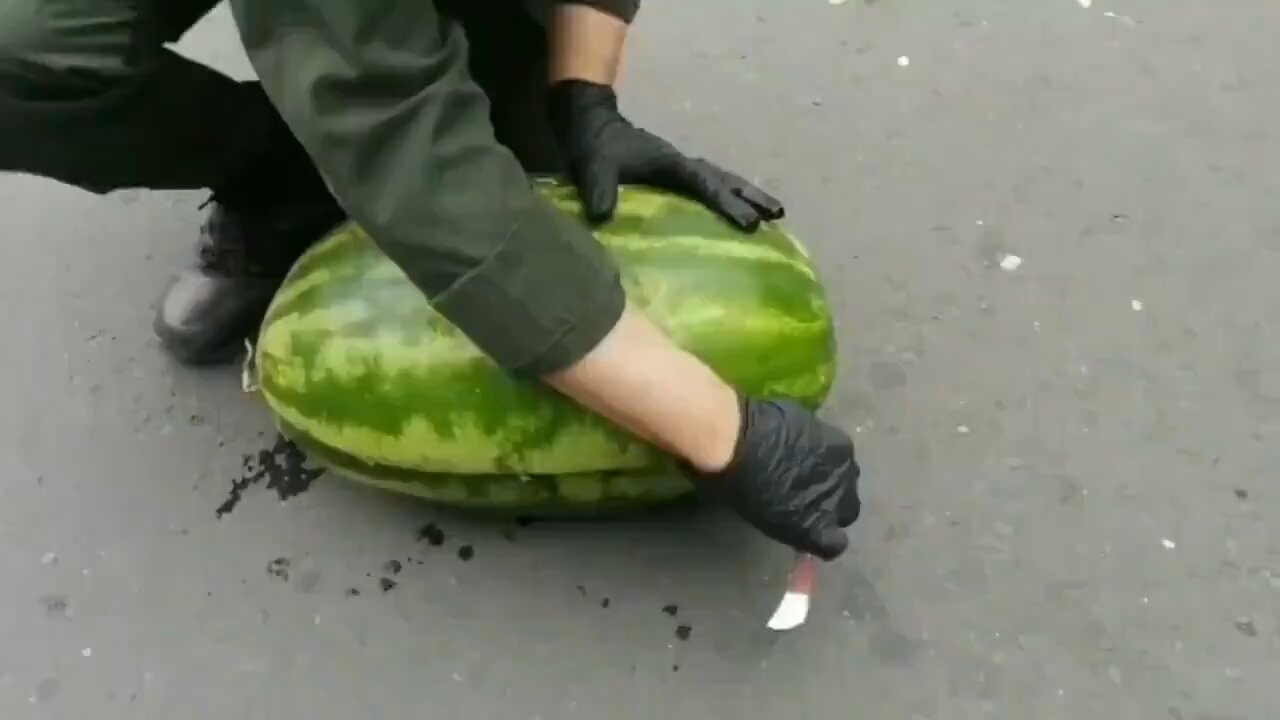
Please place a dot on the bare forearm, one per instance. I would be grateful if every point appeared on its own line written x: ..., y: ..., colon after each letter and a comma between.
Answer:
x: 586, y: 44
x: 637, y: 378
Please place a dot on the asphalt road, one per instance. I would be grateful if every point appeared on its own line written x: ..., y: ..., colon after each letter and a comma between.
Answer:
x: 1070, y: 464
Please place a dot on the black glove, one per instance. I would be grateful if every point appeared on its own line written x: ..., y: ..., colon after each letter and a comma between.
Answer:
x: 792, y: 476
x: 602, y: 149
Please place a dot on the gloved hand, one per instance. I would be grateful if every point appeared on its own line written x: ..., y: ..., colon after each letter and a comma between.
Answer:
x: 602, y: 149
x: 792, y: 476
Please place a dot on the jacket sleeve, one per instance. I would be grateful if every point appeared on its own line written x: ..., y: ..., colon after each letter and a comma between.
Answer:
x: 378, y: 92
x: 625, y: 10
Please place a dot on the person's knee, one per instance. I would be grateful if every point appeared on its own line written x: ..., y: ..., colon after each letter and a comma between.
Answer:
x: 41, y: 50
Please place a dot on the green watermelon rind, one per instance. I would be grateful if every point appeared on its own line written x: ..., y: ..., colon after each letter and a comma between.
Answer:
x: 568, y: 495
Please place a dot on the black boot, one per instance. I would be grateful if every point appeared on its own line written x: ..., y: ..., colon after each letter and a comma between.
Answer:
x: 264, y: 214
x: 207, y: 312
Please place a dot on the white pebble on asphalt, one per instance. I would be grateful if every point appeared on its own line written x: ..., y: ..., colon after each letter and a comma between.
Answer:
x: 1010, y: 262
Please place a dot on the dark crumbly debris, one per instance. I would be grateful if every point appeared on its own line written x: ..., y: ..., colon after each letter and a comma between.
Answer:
x: 432, y: 534
x: 279, y: 568
x: 284, y: 468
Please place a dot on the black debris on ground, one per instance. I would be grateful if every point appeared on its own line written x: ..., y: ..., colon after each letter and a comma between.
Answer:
x: 432, y: 534
x: 284, y: 468
x: 279, y: 568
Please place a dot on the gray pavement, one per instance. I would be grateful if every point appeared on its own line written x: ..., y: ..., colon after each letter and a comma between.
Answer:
x: 1071, y: 506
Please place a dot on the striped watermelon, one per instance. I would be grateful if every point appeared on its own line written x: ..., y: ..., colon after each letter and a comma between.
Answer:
x: 362, y: 372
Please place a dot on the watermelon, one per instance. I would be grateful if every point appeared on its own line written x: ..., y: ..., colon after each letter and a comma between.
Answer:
x: 360, y: 370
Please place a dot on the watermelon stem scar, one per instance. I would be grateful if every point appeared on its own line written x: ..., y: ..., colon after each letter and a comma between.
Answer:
x: 249, y: 370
